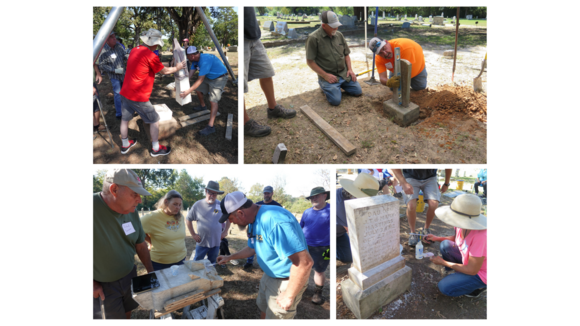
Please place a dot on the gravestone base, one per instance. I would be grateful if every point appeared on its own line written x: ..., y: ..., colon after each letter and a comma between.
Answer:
x: 364, y: 303
x: 401, y: 115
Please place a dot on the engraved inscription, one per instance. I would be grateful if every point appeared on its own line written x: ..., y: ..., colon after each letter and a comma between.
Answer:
x: 378, y: 234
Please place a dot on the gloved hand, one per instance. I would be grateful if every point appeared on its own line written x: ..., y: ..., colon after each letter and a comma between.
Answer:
x: 326, y: 254
x: 119, y: 71
x: 394, y: 82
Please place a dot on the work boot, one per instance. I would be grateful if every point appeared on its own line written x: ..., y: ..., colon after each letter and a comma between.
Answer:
x: 281, y: 112
x: 254, y: 129
x: 248, y: 266
x: 317, y: 297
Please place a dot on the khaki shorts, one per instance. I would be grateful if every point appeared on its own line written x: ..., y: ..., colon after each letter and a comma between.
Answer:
x: 214, y: 87
x: 257, y: 65
x: 270, y: 288
x: 145, y: 110
x: 429, y: 187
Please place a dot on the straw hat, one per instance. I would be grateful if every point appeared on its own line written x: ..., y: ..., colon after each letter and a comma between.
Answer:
x: 464, y: 213
x: 152, y: 37
x: 365, y: 185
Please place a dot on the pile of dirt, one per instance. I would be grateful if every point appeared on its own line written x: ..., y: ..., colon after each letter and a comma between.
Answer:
x: 450, y: 101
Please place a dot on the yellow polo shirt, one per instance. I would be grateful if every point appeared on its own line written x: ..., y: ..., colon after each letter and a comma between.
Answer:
x: 167, y: 237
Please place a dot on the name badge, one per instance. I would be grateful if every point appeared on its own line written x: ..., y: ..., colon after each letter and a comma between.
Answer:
x: 128, y: 228
x: 389, y: 65
x: 113, y: 56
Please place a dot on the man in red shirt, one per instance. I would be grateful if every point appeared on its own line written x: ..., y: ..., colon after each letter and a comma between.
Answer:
x: 142, y: 66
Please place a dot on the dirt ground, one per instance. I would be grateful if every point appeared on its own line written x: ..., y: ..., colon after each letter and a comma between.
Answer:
x: 186, y: 145
x: 424, y: 300
x: 240, y: 289
x: 452, y: 127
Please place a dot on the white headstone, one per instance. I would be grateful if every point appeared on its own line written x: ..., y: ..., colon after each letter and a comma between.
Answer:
x: 281, y: 28
x: 383, y: 15
x: 292, y: 33
x: 441, y: 14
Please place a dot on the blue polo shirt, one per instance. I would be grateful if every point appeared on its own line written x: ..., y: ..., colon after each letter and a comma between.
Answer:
x: 316, y: 226
x: 209, y: 66
x: 275, y: 235
x: 482, y: 175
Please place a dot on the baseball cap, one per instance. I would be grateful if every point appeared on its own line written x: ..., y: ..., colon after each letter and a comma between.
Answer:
x: 268, y: 189
x: 128, y: 178
x: 330, y: 18
x: 191, y: 49
x: 231, y: 203
x: 376, y: 44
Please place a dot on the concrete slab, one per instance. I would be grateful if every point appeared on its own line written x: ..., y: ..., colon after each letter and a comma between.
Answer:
x: 374, y: 275
x: 401, y: 115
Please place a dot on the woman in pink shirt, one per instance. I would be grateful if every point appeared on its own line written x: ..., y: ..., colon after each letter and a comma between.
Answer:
x: 466, y: 251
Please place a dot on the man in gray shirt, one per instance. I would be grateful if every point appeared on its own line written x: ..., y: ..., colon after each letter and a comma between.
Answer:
x: 206, y: 213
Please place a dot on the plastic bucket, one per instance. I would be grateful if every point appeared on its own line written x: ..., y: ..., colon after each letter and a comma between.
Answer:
x: 459, y: 185
x: 420, y: 204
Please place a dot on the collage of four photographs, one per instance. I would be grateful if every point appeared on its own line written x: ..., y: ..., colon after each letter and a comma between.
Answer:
x: 319, y: 217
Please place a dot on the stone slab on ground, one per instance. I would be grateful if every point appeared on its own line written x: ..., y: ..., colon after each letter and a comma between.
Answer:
x: 167, y: 128
x: 364, y: 303
x: 229, y: 126
x: 401, y: 115
x: 279, y: 154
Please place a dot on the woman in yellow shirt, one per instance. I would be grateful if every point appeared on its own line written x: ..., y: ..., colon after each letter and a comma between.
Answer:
x: 165, y: 232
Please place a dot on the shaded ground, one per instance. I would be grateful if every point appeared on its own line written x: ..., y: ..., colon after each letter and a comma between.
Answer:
x: 240, y: 289
x: 452, y: 127
x: 424, y: 300
x: 187, y: 146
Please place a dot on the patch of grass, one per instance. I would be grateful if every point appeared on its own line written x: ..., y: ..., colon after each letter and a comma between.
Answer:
x: 367, y: 144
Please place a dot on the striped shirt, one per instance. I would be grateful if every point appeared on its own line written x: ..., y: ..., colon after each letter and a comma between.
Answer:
x: 111, y: 59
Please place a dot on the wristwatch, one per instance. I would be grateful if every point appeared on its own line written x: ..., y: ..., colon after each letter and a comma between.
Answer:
x: 447, y: 184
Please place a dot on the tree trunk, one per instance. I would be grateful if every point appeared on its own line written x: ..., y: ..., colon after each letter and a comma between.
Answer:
x: 187, y: 22
x: 359, y: 12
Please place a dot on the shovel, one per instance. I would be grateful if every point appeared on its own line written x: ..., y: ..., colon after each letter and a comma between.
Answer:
x: 477, y: 83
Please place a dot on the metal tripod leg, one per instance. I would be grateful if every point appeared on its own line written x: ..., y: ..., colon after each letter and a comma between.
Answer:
x: 105, y: 120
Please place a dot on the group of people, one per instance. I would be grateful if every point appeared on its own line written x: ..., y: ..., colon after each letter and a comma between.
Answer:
x: 132, y: 77
x: 286, y: 249
x: 464, y: 255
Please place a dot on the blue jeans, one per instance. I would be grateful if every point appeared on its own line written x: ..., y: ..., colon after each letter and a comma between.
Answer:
x: 250, y: 259
x: 479, y: 184
x: 457, y: 284
x: 343, y: 252
x: 333, y: 93
x: 117, y: 85
x: 211, y: 253
x: 159, y: 266
x: 418, y: 82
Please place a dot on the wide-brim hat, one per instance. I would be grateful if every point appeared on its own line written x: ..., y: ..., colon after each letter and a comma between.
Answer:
x: 152, y: 37
x: 317, y: 191
x: 214, y: 186
x: 464, y: 212
x: 365, y: 185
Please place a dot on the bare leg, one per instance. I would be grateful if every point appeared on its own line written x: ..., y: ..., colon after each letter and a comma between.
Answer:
x: 213, y: 114
x: 267, y: 85
x: 200, y: 98
x: 154, y: 129
x: 412, y: 214
x: 319, y: 278
x: 433, y: 204
x: 124, y: 129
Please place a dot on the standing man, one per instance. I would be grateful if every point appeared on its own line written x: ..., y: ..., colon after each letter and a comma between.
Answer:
x: 117, y: 237
x: 315, y: 223
x: 257, y: 65
x: 364, y: 185
x: 481, y: 182
x: 275, y: 235
x: 212, y: 79
x: 142, y: 66
x: 414, y: 181
x: 112, y: 62
x: 328, y: 55
x: 206, y: 213
x: 385, y: 60
x: 268, y: 193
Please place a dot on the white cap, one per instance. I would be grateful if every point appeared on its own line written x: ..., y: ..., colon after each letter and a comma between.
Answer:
x: 231, y: 203
x: 191, y: 49
x: 330, y: 18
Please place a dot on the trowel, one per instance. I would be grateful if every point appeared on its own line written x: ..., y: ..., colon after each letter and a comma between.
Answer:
x: 477, y: 83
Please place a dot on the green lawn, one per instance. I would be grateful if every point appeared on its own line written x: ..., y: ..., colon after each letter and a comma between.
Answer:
x: 481, y: 23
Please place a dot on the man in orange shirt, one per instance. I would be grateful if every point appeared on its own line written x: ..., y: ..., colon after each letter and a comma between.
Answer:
x: 385, y: 59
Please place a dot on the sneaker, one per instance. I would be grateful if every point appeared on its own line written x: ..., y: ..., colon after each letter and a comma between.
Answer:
x: 476, y: 293
x: 199, y: 108
x: 281, y: 112
x: 125, y: 150
x: 162, y: 151
x: 234, y: 262
x: 254, y: 129
x: 317, y: 297
x: 413, y: 240
x: 206, y: 131
x: 398, y: 195
x: 248, y: 265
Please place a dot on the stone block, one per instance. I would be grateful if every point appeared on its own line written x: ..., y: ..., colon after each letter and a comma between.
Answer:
x: 364, y: 303
x: 292, y: 33
x: 374, y: 275
x: 279, y: 154
x: 406, y: 25
x: 438, y: 20
x: 167, y: 128
x: 403, y: 116
x: 281, y: 28
x: 268, y: 25
x: 448, y: 53
x: 233, y: 48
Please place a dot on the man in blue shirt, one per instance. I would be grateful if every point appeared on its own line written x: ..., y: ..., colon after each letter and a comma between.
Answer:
x: 212, y: 79
x: 315, y: 223
x: 275, y: 235
x: 268, y: 193
x: 481, y: 181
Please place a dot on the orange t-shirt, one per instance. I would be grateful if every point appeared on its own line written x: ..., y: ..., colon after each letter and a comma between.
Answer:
x: 410, y: 51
